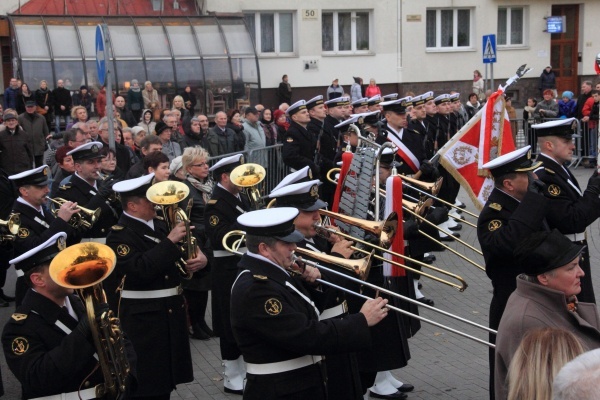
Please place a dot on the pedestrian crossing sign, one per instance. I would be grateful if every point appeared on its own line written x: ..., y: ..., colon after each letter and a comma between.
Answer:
x: 489, y: 49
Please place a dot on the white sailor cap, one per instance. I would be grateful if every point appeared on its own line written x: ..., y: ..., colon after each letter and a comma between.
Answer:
x: 515, y: 161
x: 418, y: 100
x: 38, y: 176
x: 360, y: 102
x: 297, y: 106
x: 273, y: 222
x: 338, y: 102
x: 442, y: 98
x: 315, y: 101
x: 374, y: 100
x: 455, y: 97
x: 304, y: 196
x: 370, y: 118
x: 398, y: 106
x: 40, y: 254
x: 355, y: 119
x: 227, y: 164
x: 135, y: 186
x: 87, y: 151
x: 388, y: 158
x: 428, y: 96
x: 391, y: 96
x: 302, y: 175
x: 560, y: 127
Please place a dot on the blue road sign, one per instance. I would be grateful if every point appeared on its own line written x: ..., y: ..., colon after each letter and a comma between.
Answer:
x: 489, y: 49
x: 100, y: 55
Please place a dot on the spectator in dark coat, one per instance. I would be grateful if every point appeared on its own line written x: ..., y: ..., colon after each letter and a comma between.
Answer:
x: 135, y: 101
x: 234, y: 122
x: 10, y: 94
x: 123, y: 156
x: 586, y: 93
x: 37, y: 130
x: 45, y: 99
x: 284, y: 91
x: 25, y: 95
x: 62, y: 104
x: 220, y: 139
x: 189, y: 99
x: 548, y: 80
x: 83, y: 98
x: 15, y: 152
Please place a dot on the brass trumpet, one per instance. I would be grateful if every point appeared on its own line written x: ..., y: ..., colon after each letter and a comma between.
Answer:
x: 166, y: 196
x: 83, y: 267
x: 249, y: 176
x: 11, y: 225
x: 85, y: 218
x: 234, y: 250
x: 383, y: 247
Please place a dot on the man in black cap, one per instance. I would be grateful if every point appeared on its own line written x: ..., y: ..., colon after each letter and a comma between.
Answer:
x: 15, y: 147
x: 299, y: 145
x: 226, y: 204
x: 330, y: 142
x: 152, y: 307
x: 274, y: 320
x: 546, y: 296
x: 38, y: 224
x: 48, y: 341
x: 90, y: 192
x: 572, y: 209
x: 515, y: 209
x: 37, y: 130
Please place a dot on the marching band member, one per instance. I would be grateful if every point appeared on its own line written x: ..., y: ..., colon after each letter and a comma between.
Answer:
x: 330, y: 140
x: 515, y: 209
x: 299, y: 145
x: 88, y: 191
x: 152, y: 307
x: 48, y: 341
x: 38, y: 224
x: 374, y: 103
x: 225, y: 205
x: 343, y: 379
x: 274, y: 319
x: 572, y: 210
x: 360, y: 106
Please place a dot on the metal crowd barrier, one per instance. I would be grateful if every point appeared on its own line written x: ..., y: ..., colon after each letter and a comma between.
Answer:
x: 275, y: 168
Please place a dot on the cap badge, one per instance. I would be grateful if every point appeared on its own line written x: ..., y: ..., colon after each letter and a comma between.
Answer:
x: 213, y: 220
x: 314, y: 191
x: 45, y: 171
x: 61, y: 243
x: 123, y: 250
x: 242, y: 160
x: 310, y: 174
x: 273, y: 306
x: 19, y: 346
x: 95, y: 148
x: 529, y: 154
x: 553, y: 190
x: 23, y: 233
x: 494, y: 224
x: 361, y: 121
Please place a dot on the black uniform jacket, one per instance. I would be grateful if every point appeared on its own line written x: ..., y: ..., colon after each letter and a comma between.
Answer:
x: 157, y: 327
x: 571, y: 211
x: 502, y: 225
x: 413, y: 142
x: 299, y: 147
x: 87, y: 196
x: 43, y: 357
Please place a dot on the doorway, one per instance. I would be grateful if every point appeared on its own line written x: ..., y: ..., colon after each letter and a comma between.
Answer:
x: 564, y: 49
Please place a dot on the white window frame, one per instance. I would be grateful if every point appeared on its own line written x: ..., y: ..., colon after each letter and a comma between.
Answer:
x: 257, y: 33
x: 438, y: 30
x: 336, y: 35
x: 509, y: 26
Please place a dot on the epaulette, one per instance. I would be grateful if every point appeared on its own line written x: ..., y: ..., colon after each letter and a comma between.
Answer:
x: 18, y: 318
x: 213, y: 201
x: 66, y: 186
x: 496, y: 206
x: 117, y: 228
x: 260, y: 278
x: 548, y: 170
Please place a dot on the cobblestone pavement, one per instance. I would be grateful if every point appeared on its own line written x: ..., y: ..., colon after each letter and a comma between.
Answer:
x: 443, y: 365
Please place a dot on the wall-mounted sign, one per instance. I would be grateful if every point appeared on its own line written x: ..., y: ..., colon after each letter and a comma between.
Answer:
x: 556, y: 25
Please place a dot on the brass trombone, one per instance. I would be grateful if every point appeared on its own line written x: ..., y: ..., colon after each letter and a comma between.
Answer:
x: 366, y: 225
x: 249, y: 176
x: 11, y: 225
x: 234, y: 250
x: 85, y: 218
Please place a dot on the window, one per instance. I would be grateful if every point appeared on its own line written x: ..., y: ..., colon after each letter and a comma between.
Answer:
x: 272, y: 32
x: 510, y: 26
x: 449, y: 28
x: 346, y: 31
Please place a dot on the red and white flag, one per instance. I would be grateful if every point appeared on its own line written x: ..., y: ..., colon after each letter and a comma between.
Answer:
x: 393, y: 202
x: 486, y: 136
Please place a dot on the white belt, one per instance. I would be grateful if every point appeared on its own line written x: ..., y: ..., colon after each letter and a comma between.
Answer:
x: 85, y: 395
x: 225, y: 253
x: 150, y: 294
x: 575, y: 237
x: 334, y: 311
x: 282, y: 366
x: 97, y: 240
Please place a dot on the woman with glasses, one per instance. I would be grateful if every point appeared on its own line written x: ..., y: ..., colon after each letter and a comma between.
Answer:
x: 108, y: 164
x: 195, y: 290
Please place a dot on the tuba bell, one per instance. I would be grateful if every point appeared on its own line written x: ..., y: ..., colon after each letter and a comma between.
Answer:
x: 166, y: 196
x: 249, y: 176
x: 83, y: 267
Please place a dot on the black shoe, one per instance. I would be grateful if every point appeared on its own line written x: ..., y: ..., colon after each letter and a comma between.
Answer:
x: 429, y: 259
x: 426, y: 301
x: 4, y: 303
x: 233, y: 391
x: 397, y: 395
x: 406, y: 387
x: 419, y: 286
x: 6, y: 297
x: 448, y: 238
x: 458, y: 227
x: 198, y: 333
x: 205, y: 328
